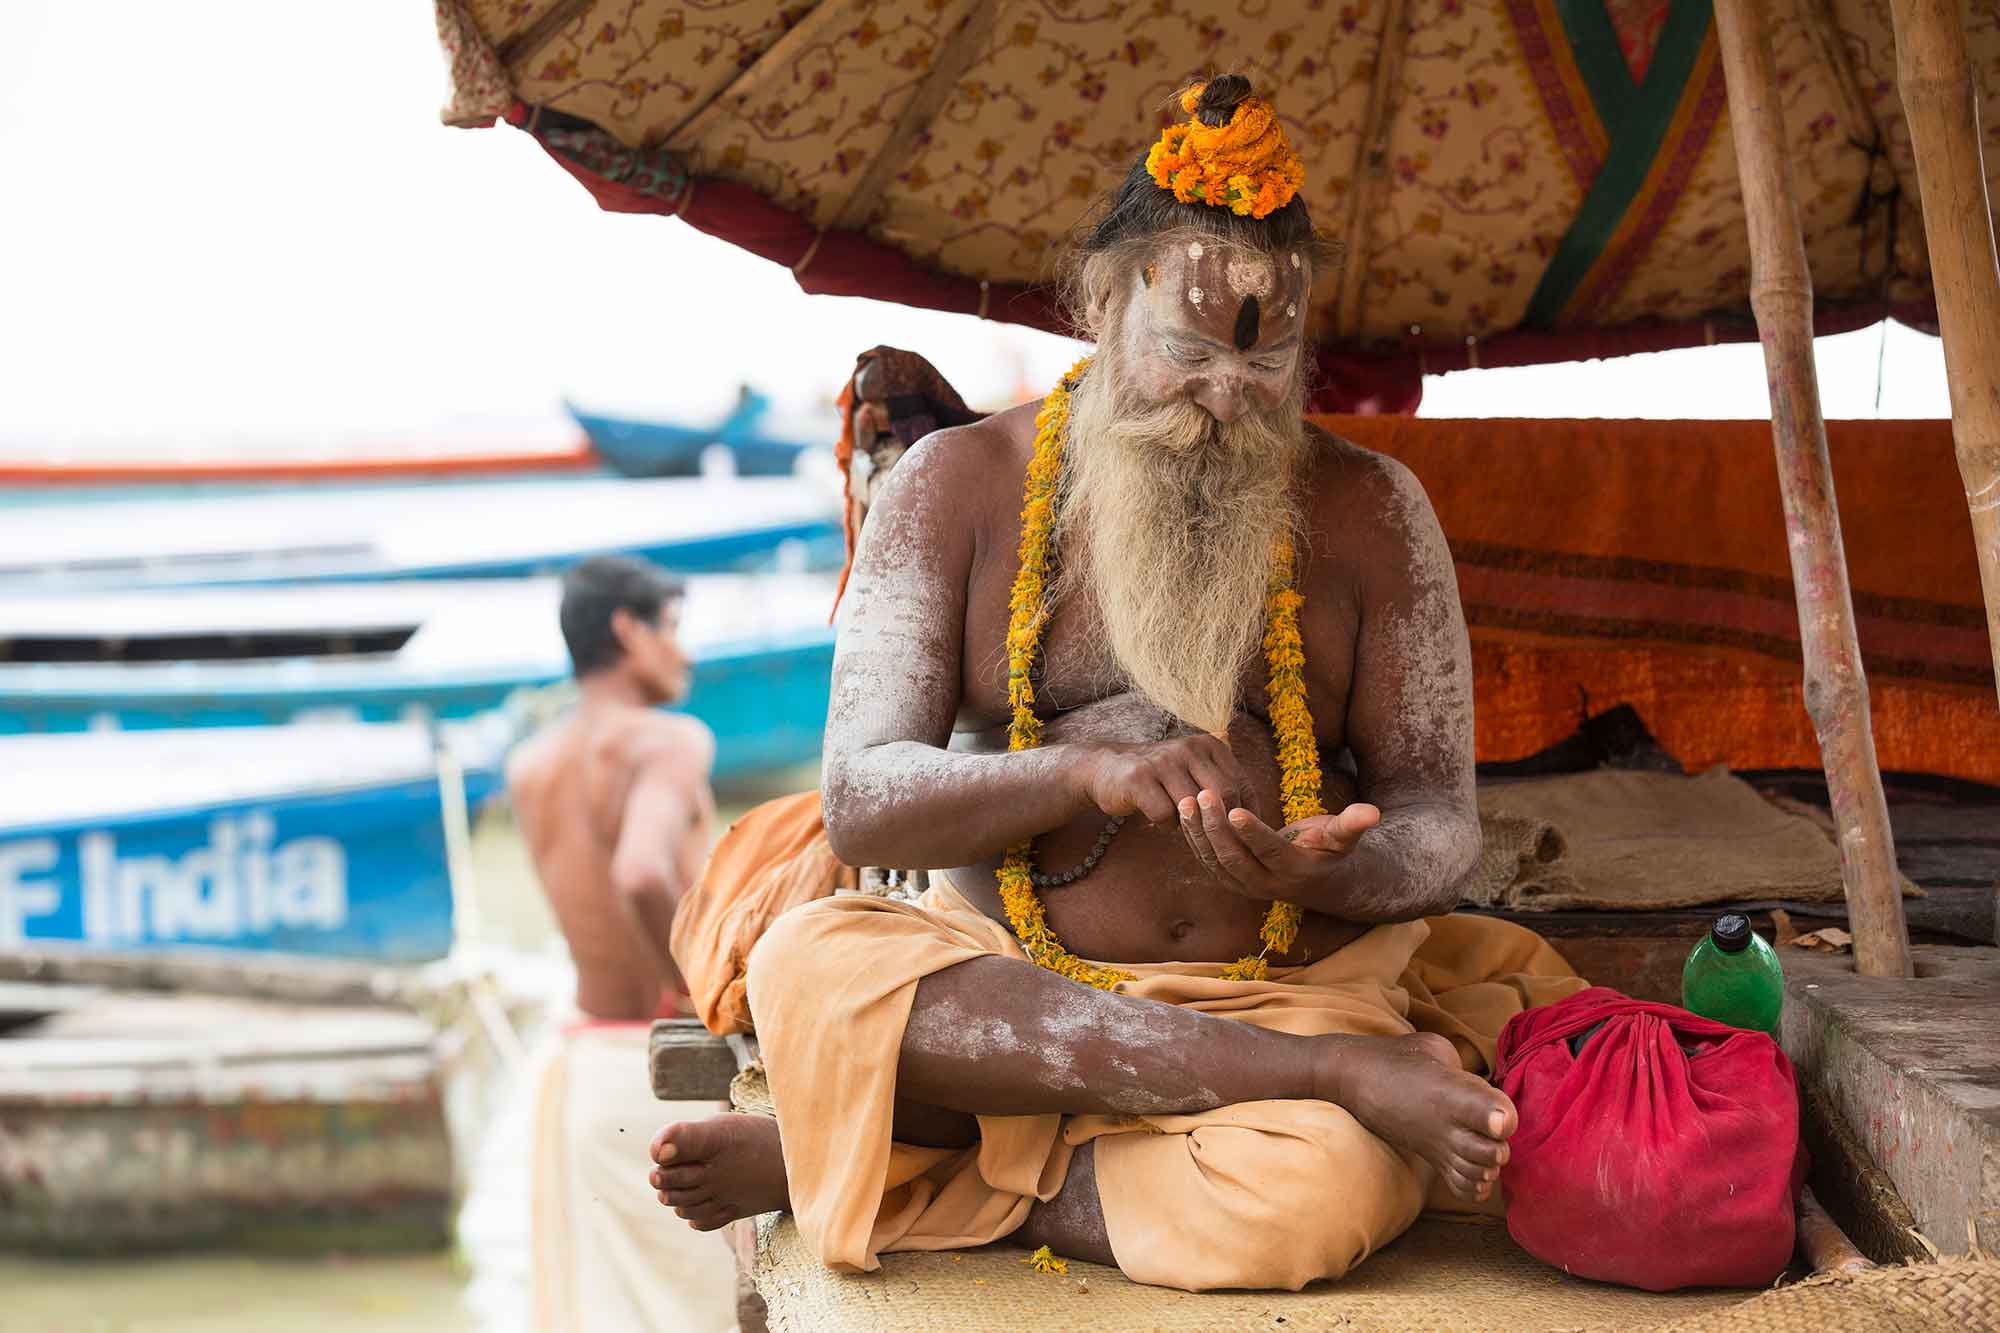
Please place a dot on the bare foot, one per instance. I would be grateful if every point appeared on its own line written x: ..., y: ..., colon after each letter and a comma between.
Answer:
x: 1412, y: 1092
x: 713, y: 1171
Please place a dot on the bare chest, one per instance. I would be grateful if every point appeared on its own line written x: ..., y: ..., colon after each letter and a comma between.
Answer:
x: 1074, y: 668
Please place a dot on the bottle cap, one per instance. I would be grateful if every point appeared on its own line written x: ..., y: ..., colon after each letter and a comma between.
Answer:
x: 1731, y: 932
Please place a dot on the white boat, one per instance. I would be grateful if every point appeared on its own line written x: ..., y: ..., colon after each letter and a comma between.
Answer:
x: 451, y: 531
x: 257, y: 656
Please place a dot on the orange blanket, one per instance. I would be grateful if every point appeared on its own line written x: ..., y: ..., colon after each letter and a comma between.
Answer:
x: 1644, y: 562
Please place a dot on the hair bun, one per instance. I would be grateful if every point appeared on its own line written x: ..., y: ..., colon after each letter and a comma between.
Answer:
x: 1218, y: 99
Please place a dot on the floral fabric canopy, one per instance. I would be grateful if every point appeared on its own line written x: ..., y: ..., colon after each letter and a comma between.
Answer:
x: 1514, y: 180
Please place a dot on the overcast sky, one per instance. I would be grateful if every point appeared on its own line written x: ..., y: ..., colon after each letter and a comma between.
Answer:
x: 239, y: 221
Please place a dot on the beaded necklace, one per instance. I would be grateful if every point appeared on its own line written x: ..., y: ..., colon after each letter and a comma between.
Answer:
x: 1291, y: 719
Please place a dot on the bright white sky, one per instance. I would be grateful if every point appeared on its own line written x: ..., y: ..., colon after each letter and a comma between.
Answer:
x: 240, y: 223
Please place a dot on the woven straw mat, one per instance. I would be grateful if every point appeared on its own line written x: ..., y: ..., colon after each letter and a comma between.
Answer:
x: 1441, y: 1275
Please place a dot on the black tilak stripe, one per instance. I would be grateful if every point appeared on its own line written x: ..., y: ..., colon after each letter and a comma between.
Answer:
x: 1246, y: 324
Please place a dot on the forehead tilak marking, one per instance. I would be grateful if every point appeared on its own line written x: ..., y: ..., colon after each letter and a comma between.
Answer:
x: 1246, y: 324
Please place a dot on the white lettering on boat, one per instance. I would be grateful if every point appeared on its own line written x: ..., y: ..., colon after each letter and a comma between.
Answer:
x: 238, y: 883
x: 21, y: 897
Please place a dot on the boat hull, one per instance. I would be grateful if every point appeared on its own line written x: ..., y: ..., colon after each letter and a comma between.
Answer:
x: 202, y: 851
x: 284, y: 1128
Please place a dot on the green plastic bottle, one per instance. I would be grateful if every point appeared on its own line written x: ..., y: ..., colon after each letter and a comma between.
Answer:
x: 1734, y: 977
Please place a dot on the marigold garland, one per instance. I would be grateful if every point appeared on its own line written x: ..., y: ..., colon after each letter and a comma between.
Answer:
x: 1245, y: 165
x: 1046, y: 1260
x: 1291, y: 718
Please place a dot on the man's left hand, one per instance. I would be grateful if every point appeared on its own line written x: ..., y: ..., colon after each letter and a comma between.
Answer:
x: 1258, y: 861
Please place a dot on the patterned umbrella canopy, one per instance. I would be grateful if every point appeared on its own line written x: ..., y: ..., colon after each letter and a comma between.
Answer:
x: 1514, y: 181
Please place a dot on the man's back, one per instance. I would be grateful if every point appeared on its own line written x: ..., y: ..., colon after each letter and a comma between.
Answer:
x: 573, y: 787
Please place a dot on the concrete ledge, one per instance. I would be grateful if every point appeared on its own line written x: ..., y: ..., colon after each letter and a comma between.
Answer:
x: 1914, y: 1068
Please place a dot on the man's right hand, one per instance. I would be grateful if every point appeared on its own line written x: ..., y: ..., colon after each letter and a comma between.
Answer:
x: 1151, y: 780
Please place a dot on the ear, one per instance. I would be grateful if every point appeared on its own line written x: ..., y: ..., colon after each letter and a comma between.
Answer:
x: 625, y: 628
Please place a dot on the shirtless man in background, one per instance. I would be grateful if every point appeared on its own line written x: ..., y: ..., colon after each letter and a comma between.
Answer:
x: 614, y: 799
x: 614, y: 804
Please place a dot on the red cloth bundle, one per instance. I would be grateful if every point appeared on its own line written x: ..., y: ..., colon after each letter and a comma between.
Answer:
x: 1656, y: 1148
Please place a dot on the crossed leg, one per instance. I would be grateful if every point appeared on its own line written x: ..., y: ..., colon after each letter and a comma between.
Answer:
x: 999, y: 1036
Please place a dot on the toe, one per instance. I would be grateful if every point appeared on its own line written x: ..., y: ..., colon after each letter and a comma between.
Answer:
x: 682, y: 1177
x: 709, y: 1217
x: 1503, y: 1120
x: 661, y: 1149
x: 1478, y: 1150
x: 1461, y: 1182
x: 693, y: 1141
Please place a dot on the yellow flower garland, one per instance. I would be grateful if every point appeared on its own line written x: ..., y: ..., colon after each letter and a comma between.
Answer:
x: 1291, y: 719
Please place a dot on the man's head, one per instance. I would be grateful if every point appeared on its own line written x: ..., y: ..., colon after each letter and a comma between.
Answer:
x: 621, y: 615
x: 1185, y: 442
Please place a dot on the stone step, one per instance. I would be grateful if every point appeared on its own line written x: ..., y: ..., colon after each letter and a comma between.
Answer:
x: 1914, y: 1067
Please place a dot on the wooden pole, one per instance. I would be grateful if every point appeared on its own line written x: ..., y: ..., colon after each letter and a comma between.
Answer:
x: 1943, y: 110
x: 1825, y: 1246
x: 1371, y: 167
x: 1836, y: 690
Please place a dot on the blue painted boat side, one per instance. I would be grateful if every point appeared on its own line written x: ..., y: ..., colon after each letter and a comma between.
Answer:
x: 746, y: 551
x: 359, y: 874
x: 637, y: 448
x: 765, y: 700
x: 65, y: 699
x: 766, y: 705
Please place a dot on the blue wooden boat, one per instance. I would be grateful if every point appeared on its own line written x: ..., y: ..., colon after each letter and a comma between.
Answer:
x: 635, y: 448
x: 325, y: 841
x: 257, y: 656
x: 440, y: 531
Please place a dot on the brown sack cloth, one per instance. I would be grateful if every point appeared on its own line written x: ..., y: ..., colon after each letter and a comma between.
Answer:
x: 771, y: 860
x: 1618, y: 839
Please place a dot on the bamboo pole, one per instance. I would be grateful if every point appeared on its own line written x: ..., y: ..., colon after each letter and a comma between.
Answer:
x: 1836, y: 690
x: 1943, y: 110
x: 1371, y: 168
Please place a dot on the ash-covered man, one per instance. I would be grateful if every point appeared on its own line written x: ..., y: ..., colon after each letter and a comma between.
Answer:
x: 613, y: 801
x: 1125, y: 662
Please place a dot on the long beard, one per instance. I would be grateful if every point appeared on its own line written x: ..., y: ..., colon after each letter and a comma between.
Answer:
x: 1168, y: 521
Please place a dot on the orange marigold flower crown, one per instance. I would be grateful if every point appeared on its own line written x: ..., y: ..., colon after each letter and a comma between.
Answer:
x: 1246, y: 165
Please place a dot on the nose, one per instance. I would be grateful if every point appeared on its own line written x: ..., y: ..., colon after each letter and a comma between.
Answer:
x: 1221, y: 399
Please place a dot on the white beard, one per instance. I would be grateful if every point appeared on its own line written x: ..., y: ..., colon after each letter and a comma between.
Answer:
x: 1178, y: 515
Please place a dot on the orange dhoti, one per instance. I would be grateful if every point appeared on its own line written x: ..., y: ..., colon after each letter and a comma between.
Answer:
x: 1258, y: 1194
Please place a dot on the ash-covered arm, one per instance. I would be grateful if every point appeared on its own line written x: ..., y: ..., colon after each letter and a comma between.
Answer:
x: 894, y: 795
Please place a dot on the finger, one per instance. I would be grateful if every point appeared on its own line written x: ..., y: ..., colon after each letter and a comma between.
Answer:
x: 1272, y: 849
x: 1236, y: 861
x: 1154, y: 802
x: 1218, y: 775
x: 1197, y: 836
x: 1341, y: 832
x: 1178, y: 777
